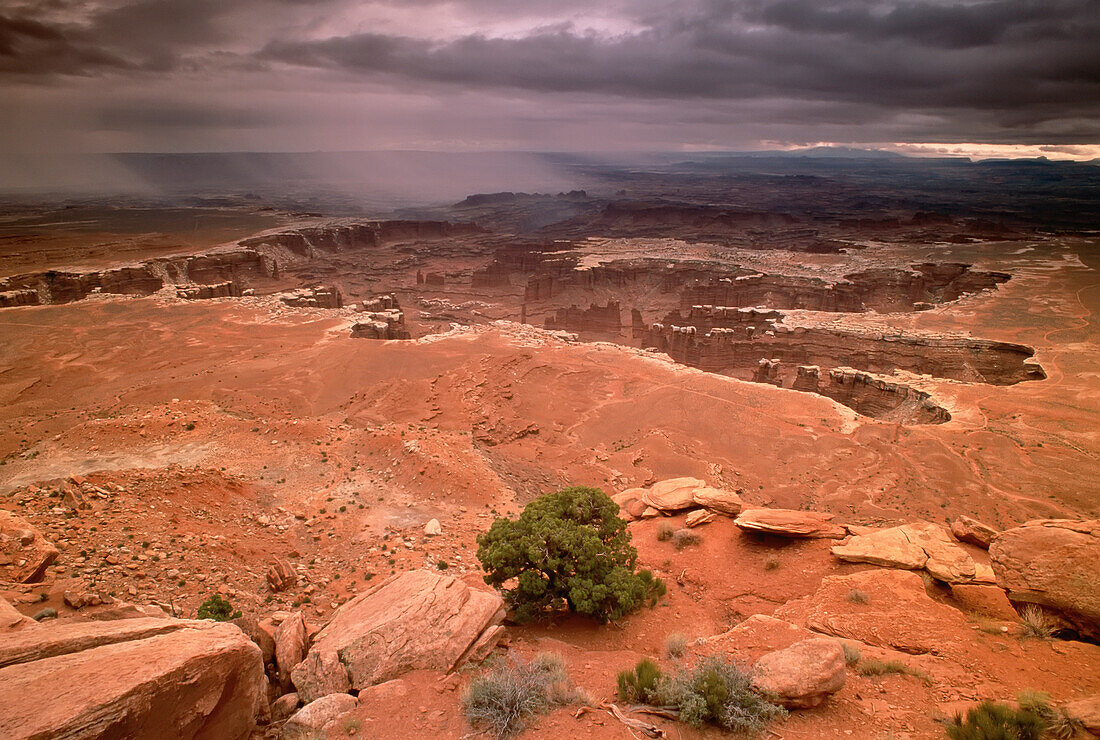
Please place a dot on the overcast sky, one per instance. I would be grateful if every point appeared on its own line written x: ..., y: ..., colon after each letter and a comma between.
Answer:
x: 303, y: 75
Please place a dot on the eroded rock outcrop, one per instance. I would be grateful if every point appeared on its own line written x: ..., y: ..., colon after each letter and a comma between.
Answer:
x: 1052, y: 562
x: 411, y: 621
x: 139, y: 678
x: 911, y: 546
x: 966, y: 529
x: 24, y: 552
x: 674, y: 494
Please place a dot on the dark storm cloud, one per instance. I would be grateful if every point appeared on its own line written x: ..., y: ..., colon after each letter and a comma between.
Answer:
x: 1003, y: 70
x: 985, y: 55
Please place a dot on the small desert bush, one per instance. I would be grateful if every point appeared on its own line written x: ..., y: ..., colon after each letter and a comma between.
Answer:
x: 639, y: 685
x: 716, y: 691
x: 504, y: 699
x: 851, y: 654
x: 1057, y: 723
x: 1036, y: 623
x: 218, y: 609
x: 676, y: 644
x: 684, y: 538
x: 992, y: 721
x: 875, y: 667
x: 665, y: 531
x: 856, y: 596
x: 772, y: 562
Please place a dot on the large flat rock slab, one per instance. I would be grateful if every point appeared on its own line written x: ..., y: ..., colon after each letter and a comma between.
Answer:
x: 412, y: 621
x: 789, y: 523
x: 674, y: 494
x: 1053, y: 563
x: 187, y: 683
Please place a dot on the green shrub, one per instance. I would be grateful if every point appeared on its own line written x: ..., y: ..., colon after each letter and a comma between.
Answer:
x: 503, y: 700
x: 992, y: 721
x: 218, y: 609
x: 716, y: 691
x: 569, y: 548
x: 640, y: 684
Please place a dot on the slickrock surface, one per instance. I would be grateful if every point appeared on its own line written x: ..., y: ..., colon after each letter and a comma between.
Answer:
x: 131, y: 678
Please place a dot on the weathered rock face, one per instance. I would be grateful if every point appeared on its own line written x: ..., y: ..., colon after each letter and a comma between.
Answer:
x: 225, y: 289
x: 718, y: 500
x: 290, y: 647
x: 320, y: 674
x: 674, y: 494
x: 318, y: 296
x: 911, y: 546
x: 135, y: 678
x: 896, y: 612
x: 386, y: 324
x: 24, y: 552
x: 804, y: 674
x: 411, y: 621
x: 970, y: 530
x: 1052, y: 562
x: 598, y: 319
x: 281, y: 575
x: 789, y: 523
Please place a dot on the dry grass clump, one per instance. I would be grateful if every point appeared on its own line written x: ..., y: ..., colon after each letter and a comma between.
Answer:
x: 876, y: 667
x: 676, y: 644
x: 685, y: 538
x: 851, y: 654
x: 504, y: 699
x: 1036, y: 623
x: 665, y: 530
x: 772, y: 562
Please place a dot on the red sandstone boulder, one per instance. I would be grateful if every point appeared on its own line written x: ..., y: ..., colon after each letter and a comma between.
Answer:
x: 281, y: 575
x: 804, y: 674
x: 24, y: 552
x: 674, y: 494
x: 290, y: 647
x: 718, y: 500
x: 789, y: 523
x: 1053, y: 562
x: 411, y: 621
x: 313, y: 719
x: 137, y: 678
x: 973, y: 532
